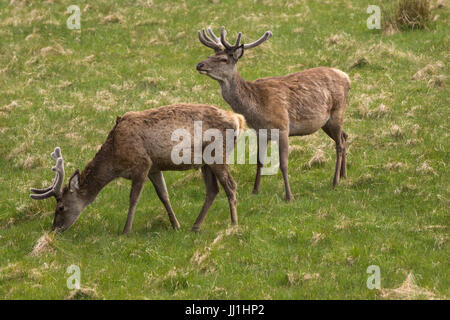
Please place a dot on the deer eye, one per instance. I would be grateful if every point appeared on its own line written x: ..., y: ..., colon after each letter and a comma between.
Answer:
x: 223, y: 60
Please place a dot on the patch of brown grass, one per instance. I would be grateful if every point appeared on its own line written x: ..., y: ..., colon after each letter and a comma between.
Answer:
x: 407, y: 15
x: 200, y: 256
x: 43, y: 245
x: 82, y: 294
x: 12, y: 271
x: 425, y: 168
x: 317, y: 159
x: 413, y: 14
x: 295, y: 279
x: 112, y: 18
x: 316, y: 238
x: 396, y: 131
x: 409, y: 290
x: 428, y: 71
x: 437, y: 81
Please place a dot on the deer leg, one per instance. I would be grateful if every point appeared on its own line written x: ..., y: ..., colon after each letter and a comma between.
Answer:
x: 335, y: 133
x: 283, y: 145
x: 159, y: 183
x: 261, y: 154
x: 136, y: 189
x: 212, y: 189
x: 226, y: 180
x: 344, y: 156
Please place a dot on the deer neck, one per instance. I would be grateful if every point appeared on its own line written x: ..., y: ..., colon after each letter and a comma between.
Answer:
x: 238, y: 94
x: 96, y: 175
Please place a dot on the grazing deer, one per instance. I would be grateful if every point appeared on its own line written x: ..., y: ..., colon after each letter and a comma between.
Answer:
x: 297, y: 104
x: 140, y: 146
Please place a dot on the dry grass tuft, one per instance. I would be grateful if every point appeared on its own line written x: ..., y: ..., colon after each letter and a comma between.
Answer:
x: 43, y: 245
x: 409, y: 290
x: 394, y: 165
x: 82, y: 294
x: 57, y: 50
x: 89, y: 58
x: 295, y: 148
x: 407, y: 15
x: 425, y: 168
x: 12, y: 271
x: 334, y: 39
x: 413, y: 14
x: 317, y: 159
x: 396, y: 131
x: 295, y: 279
x: 9, y: 107
x: 112, y: 18
x: 437, y: 81
x: 150, y: 82
x: 316, y: 238
x: 381, y: 111
x: 359, y: 62
x: 200, y: 256
x: 427, y: 71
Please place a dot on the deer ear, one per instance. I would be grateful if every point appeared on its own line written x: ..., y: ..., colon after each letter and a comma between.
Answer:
x: 237, y: 54
x: 74, y: 182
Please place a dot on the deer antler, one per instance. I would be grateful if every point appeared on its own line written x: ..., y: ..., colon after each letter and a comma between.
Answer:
x: 218, y: 44
x: 225, y: 43
x: 213, y: 43
x: 56, y: 188
x: 256, y: 43
x: 215, y: 38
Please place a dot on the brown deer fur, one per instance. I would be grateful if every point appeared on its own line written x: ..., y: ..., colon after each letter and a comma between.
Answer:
x: 297, y: 104
x: 139, y: 146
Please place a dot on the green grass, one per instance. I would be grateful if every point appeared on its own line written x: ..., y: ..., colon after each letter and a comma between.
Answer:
x: 392, y: 211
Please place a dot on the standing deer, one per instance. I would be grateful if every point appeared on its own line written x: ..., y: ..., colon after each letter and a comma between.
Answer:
x: 140, y: 146
x: 297, y: 104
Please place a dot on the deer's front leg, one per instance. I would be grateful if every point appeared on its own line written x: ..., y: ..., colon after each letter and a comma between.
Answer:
x: 283, y: 144
x: 136, y: 189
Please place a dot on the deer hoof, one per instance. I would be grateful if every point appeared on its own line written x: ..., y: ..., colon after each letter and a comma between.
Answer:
x: 289, y: 198
x: 176, y: 226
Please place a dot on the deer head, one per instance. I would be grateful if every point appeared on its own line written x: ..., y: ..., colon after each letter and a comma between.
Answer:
x: 222, y: 64
x: 69, y: 204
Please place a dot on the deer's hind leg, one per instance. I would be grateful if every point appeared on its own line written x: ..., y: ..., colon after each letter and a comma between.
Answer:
x: 283, y: 145
x: 212, y: 189
x: 344, y: 156
x: 333, y: 128
x: 159, y: 183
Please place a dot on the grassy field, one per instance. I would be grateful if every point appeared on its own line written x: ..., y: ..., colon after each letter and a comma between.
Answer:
x: 61, y: 87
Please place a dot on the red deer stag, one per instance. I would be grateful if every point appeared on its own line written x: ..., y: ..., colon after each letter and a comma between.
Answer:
x: 297, y: 104
x: 139, y: 146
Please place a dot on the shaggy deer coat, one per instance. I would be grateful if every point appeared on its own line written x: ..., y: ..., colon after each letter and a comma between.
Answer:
x: 297, y: 104
x: 140, y: 146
